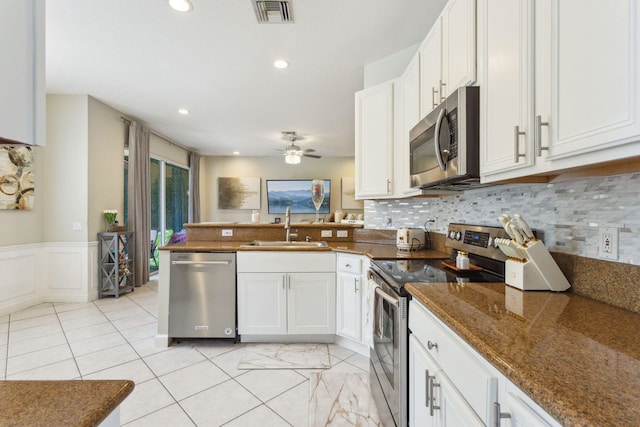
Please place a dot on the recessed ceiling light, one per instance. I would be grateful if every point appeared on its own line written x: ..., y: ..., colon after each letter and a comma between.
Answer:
x: 184, y: 111
x: 281, y: 63
x: 181, y: 5
x: 236, y: 153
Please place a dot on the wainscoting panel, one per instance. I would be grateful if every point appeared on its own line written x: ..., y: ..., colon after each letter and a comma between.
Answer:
x: 47, y: 272
x: 20, y: 269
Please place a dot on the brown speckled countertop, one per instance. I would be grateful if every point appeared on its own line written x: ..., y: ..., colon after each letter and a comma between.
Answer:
x: 578, y: 358
x: 372, y: 250
x: 82, y: 403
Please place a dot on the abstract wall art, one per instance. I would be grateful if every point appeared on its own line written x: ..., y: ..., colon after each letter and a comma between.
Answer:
x: 17, y: 177
x: 238, y: 193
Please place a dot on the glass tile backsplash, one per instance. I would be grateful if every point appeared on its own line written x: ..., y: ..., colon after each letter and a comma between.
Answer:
x: 569, y: 213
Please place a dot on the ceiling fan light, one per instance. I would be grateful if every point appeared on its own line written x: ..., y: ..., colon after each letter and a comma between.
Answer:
x: 292, y: 158
x: 181, y: 5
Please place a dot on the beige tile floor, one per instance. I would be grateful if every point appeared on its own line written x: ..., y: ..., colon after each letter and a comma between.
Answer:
x: 192, y: 383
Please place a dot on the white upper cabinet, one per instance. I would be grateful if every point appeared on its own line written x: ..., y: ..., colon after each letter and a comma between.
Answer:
x: 594, y: 73
x: 448, y: 54
x: 22, y: 74
x: 374, y: 133
x: 458, y: 45
x: 506, y: 86
x: 559, y: 85
x: 431, y: 69
x: 409, y: 115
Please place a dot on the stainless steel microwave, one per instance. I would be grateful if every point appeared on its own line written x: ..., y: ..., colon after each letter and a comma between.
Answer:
x: 445, y: 150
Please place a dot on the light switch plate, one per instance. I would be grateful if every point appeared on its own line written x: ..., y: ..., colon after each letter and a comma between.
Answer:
x: 76, y: 226
x: 326, y: 233
x: 343, y: 233
x: 227, y: 233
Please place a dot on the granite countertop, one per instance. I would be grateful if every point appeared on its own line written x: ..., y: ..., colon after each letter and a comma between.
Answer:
x: 578, y: 358
x: 372, y: 250
x: 80, y: 403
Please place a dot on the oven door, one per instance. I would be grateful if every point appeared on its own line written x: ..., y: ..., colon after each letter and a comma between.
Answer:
x: 389, y: 354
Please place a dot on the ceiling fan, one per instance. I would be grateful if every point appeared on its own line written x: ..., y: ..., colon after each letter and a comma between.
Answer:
x: 292, y: 153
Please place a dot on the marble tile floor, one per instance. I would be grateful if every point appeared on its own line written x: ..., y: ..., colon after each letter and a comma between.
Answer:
x: 192, y: 383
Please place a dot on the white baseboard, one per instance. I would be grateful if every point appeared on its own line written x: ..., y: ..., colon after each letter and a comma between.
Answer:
x: 356, y: 346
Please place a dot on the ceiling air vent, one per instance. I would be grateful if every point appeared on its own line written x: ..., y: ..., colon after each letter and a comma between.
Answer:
x: 273, y: 12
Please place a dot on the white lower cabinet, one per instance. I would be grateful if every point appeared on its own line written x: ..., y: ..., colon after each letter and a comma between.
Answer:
x: 450, y: 384
x: 352, y: 302
x: 286, y: 293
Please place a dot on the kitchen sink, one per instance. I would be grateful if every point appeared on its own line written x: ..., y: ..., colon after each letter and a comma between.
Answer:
x: 285, y: 244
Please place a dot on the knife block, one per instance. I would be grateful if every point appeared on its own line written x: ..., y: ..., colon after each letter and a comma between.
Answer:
x: 537, y: 272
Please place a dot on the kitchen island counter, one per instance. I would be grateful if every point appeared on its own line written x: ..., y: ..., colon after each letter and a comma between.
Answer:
x: 81, y: 403
x: 579, y: 359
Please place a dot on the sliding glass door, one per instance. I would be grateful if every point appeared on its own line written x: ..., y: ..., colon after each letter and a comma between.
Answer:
x: 169, y: 205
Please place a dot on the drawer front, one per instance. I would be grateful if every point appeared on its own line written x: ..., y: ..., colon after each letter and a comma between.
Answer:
x: 463, y: 366
x: 286, y: 262
x: 347, y: 264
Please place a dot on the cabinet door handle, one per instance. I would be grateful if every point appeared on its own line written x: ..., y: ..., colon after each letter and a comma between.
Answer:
x: 388, y: 186
x: 516, y: 145
x: 348, y: 265
x: 356, y: 283
x: 442, y: 86
x: 432, y: 345
x: 497, y: 415
x: 538, y: 135
x: 432, y: 385
x: 434, y: 92
x: 427, y: 396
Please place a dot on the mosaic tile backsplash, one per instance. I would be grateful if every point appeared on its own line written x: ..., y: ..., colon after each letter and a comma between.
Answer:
x: 569, y: 213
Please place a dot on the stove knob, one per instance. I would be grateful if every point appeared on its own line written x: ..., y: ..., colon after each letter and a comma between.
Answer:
x: 452, y: 234
x: 490, y: 242
x: 458, y: 235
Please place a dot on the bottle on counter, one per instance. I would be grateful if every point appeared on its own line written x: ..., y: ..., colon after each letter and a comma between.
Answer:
x: 462, y: 260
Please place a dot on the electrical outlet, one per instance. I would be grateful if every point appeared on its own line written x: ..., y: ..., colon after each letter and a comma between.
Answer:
x: 227, y: 233
x: 343, y: 233
x: 326, y: 233
x: 608, y: 243
x: 76, y: 226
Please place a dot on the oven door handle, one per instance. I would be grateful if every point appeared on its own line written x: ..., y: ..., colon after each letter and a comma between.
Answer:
x: 388, y: 297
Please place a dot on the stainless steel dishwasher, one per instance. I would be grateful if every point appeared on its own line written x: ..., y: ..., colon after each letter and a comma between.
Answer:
x: 202, y: 295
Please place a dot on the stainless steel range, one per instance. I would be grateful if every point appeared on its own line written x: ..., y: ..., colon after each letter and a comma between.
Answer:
x: 389, y: 355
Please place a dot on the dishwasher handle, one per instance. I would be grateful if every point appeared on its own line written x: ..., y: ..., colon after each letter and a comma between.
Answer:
x: 201, y: 262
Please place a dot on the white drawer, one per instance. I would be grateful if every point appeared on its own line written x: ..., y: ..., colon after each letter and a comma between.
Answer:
x: 348, y: 264
x: 461, y: 364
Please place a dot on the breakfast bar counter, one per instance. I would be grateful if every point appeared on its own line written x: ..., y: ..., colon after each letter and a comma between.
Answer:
x: 579, y: 359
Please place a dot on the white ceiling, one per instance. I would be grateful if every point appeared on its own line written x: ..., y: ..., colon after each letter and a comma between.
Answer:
x: 146, y: 60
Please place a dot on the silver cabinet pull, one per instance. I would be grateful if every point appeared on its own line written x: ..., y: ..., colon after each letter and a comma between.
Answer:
x: 538, y: 135
x: 497, y: 415
x: 348, y: 265
x: 388, y: 186
x: 427, y: 397
x: 356, y: 283
x: 432, y: 385
x: 442, y: 95
x: 432, y: 345
x: 434, y: 92
x: 516, y: 145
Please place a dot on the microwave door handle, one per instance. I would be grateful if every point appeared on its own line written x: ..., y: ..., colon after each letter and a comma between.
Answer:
x: 442, y: 118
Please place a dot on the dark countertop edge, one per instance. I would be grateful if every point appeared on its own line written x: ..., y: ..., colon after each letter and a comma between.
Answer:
x: 371, y: 250
x: 271, y: 225
x: 18, y: 396
x: 546, y: 400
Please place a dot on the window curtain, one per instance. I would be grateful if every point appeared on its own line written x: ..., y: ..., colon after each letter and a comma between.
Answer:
x: 139, y: 199
x: 194, y: 200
